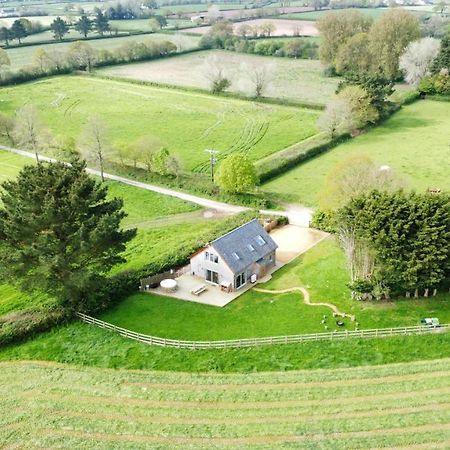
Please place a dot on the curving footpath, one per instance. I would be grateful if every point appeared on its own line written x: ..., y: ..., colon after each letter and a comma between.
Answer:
x: 306, y: 299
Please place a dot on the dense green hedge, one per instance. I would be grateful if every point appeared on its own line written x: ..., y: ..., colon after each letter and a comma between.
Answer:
x: 280, y: 162
x: 17, y: 326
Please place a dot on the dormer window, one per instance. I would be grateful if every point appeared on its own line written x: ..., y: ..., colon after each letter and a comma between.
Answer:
x: 236, y: 256
x: 260, y: 240
x: 250, y: 247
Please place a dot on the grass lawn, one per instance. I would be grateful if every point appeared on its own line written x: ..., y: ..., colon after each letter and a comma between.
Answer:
x: 53, y: 405
x: 82, y: 344
x: 23, y: 56
x: 252, y: 315
x: 300, y: 79
x: 186, y: 122
x: 414, y: 142
x: 11, y: 300
x: 322, y: 270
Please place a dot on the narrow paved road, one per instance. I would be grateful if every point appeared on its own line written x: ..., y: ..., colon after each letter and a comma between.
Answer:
x: 297, y: 215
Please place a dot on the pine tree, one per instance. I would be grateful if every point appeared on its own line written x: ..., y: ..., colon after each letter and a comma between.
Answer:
x: 58, y: 231
x: 59, y: 28
x: 84, y: 25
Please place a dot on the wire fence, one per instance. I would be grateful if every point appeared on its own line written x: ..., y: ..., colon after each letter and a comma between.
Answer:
x: 271, y: 340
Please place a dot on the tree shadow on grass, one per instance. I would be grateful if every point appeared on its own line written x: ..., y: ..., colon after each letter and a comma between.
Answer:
x: 400, y: 124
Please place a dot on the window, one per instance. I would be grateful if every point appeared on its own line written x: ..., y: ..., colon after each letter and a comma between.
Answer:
x: 260, y: 240
x: 211, y: 257
x: 250, y: 247
x: 236, y: 256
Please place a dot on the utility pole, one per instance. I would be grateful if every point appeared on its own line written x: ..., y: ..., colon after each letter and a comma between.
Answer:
x: 213, y: 160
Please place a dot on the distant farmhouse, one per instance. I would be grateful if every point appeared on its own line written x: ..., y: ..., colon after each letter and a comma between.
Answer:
x: 243, y: 255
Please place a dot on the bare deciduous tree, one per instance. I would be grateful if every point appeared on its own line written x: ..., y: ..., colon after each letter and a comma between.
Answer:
x: 29, y: 132
x: 94, y: 143
x: 417, y: 59
x: 260, y: 76
x: 82, y: 56
x: 337, y: 118
x: 214, y: 71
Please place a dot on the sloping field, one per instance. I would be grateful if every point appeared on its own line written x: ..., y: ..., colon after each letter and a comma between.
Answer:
x: 300, y: 79
x: 187, y: 123
x: 403, y: 406
x: 414, y: 142
x: 23, y: 56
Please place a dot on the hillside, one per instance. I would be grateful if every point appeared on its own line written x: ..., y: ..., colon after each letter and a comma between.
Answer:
x: 401, y: 405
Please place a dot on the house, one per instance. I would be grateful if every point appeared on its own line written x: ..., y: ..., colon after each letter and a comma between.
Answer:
x: 240, y: 256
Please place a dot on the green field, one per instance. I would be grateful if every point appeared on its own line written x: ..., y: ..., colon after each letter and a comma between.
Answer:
x: 290, y: 79
x: 397, y: 406
x: 187, y: 123
x: 414, y: 142
x: 23, y: 56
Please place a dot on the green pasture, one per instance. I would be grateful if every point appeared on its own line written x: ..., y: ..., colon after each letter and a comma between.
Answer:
x: 23, y: 56
x: 392, y: 406
x: 301, y: 80
x: 413, y: 142
x: 187, y: 123
x: 322, y: 270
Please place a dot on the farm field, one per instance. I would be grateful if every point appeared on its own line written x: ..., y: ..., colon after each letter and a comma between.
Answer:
x: 23, y: 56
x: 375, y: 13
x: 414, y: 142
x: 397, y: 406
x: 283, y: 27
x: 300, y: 79
x: 185, y: 122
x: 254, y: 314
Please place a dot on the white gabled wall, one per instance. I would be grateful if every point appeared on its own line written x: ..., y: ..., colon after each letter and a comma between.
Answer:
x: 199, y: 265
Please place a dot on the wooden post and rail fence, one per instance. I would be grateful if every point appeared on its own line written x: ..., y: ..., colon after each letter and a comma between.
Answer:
x: 271, y: 340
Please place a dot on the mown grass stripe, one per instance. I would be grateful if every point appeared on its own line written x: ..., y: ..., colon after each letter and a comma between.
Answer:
x: 249, y: 420
x: 300, y: 385
x: 263, y: 439
x: 234, y: 405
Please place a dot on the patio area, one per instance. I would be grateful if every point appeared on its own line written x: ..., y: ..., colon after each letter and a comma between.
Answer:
x: 212, y: 295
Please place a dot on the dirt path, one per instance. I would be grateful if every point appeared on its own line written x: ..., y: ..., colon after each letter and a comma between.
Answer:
x: 299, y: 215
x: 306, y: 299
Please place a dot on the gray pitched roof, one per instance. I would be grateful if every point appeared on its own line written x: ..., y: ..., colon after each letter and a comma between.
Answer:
x: 243, y: 246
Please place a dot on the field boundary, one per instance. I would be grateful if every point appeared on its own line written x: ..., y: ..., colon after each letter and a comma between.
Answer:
x: 271, y: 340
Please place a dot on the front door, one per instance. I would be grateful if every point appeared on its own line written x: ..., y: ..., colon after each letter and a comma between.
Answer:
x: 212, y: 277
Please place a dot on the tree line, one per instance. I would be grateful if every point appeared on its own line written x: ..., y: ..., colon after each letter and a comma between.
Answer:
x: 19, y: 29
x: 81, y: 56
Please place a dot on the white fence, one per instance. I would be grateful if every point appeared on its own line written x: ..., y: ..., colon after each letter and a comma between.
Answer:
x: 252, y: 342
